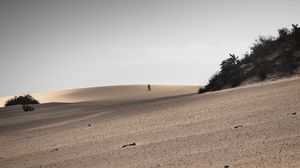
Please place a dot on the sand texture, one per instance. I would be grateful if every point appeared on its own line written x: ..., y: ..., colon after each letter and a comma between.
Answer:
x: 113, y: 94
x: 253, y: 126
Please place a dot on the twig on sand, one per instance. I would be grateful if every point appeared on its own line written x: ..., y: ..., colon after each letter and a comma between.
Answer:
x: 56, y: 149
x: 238, y: 126
x: 127, y: 145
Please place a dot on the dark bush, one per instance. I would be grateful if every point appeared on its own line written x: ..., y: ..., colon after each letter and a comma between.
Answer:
x: 21, y: 100
x: 237, y: 79
x: 296, y: 35
x: 283, y: 33
x: 27, y: 107
x: 295, y: 28
x: 246, y: 59
x: 262, y: 73
x: 297, y: 40
x: 201, y: 90
x: 263, y: 68
x: 216, y: 82
x: 260, y: 61
x: 289, y: 62
x: 262, y: 46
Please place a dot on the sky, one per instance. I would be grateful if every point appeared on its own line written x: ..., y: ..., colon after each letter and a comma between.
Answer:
x: 48, y: 45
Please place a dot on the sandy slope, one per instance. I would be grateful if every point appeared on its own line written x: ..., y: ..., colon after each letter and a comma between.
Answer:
x: 251, y: 126
x: 111, y: 93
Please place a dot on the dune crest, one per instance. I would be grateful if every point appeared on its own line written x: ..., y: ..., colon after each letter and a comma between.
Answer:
x: 111, y: 93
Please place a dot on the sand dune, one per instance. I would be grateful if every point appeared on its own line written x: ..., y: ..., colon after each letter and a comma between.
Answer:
x: 111, y: 93
x: 251, y: 126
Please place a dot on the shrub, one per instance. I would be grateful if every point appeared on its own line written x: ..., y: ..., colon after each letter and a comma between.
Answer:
x: 216, y: 82
x: 201, y: 90
x: 22, y: 100
x: 263, y: 68
x: 283, y: 33
x: 246, y: 59
x: 295, y: 28
x: 27, y: 107
x: 262, y: 73
x: 262, y: 46
x: 237, y: 79
x: 296, y: 34
x: 257, y: 63
x: 289, y: 62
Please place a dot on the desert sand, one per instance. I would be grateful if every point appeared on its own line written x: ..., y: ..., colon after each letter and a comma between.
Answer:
x: 251, y: 126
x: 112, y: 94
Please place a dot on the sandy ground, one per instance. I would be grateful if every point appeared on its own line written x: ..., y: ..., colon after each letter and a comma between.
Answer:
x: 110, y: 93
x: 246, y: 127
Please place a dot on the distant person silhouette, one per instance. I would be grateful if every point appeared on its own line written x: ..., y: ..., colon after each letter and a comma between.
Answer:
x: 149, y: 87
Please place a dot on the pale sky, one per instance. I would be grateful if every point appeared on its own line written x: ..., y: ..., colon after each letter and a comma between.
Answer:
x: 48, y: 45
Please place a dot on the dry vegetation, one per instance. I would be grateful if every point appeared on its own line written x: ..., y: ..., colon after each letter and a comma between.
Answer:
x: 269, y: 56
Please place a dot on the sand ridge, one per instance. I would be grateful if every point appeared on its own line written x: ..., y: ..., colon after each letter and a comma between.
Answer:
x: 111, y: 93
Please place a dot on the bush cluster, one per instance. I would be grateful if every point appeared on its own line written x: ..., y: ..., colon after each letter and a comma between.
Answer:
x: 233, y: 73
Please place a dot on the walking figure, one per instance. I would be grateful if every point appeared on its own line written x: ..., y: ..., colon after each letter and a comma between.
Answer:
x: 149, y: 87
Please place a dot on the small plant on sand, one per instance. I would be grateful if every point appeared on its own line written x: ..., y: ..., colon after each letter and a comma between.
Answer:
x: 27, y: 107
x: 25, y: 101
